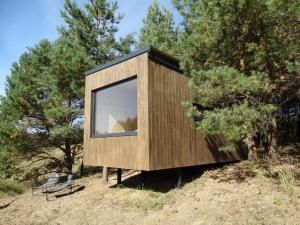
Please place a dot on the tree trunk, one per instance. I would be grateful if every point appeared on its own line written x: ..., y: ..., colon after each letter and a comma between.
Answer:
x: 69, y: 157
x: 81, y: 168
x: 36, y: 175
x: 252, y: 153
x: 272, y: 139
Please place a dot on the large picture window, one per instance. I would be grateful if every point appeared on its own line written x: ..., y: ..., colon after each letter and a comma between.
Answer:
x: 115, y: 109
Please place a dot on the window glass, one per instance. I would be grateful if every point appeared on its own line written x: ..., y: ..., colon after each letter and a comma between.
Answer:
x: 116, y: 109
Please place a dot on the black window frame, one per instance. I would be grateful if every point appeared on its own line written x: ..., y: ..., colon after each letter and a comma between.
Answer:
x: 93, y: 108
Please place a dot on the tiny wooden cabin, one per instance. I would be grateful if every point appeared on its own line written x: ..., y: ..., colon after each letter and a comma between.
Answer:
x: 134, y: 117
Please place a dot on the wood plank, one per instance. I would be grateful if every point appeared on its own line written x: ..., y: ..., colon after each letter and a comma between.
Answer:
x: 165, y: 138
x: 173, y: 143
x: 124, y: 151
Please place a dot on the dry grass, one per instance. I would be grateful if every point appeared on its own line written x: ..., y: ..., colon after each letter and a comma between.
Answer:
x: 287, y: 180
x: 240, y: 193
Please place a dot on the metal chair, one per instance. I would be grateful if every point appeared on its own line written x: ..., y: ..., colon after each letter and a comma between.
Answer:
x: 51, y: 182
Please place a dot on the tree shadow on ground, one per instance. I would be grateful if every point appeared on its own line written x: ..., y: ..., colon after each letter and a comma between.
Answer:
x: 289, y: 156
x: 290, y: 150
x: 236, y: 172
x: 75, y: 189
x: 66, y: 192
x: 7, y: 203
x: 164, y: 180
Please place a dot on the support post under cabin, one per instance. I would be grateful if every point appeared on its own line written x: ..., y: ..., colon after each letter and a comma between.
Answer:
x: 105, y: 174
x: 119, y: 176
x: 143, y: 175
x: 179, y: 178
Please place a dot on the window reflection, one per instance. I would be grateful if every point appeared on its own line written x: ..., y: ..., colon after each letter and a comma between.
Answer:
x: 116, y: 108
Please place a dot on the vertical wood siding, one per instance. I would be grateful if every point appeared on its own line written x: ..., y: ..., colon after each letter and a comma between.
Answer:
x: 173, y: 143
x: 165, y: 138
x: 125, y: 151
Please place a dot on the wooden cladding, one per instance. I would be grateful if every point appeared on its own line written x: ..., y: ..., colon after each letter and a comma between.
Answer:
x: 119, y: 151
x: 173, y: 142
x: 164, y: 138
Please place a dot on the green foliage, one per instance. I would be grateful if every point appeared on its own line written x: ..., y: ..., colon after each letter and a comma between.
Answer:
x: 227, y: 148
x: 7, y: 164
x: 69, y: 60
x: 229, y: 103
x: 243, y: 59
x: 158, y: 29
x: 10, y: 187
x: 249, y: 35
x: 222, y: 86
x: 95, y: 26
x: 43, y: 107
x: 235, y: 123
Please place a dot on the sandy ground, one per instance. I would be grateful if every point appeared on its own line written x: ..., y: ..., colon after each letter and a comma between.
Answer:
x: 232, y: 194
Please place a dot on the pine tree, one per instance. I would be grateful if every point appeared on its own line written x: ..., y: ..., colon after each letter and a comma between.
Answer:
x: 229, y: 103
x: 95, y: 27
x: 7, y: 161
x: 158, y: 29
x: 259, y: 37
x: 43, y: 106
x: 44, y: 102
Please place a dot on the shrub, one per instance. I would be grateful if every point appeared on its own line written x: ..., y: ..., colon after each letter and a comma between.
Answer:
x: 10, y: 187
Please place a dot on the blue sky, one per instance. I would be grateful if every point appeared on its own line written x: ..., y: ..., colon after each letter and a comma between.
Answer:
x: 24, y: 23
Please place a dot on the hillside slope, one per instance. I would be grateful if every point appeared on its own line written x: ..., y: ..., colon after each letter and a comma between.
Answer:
x: 239, y: 193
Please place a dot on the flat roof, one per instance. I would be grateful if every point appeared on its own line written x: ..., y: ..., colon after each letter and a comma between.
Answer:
x: 154, y: 54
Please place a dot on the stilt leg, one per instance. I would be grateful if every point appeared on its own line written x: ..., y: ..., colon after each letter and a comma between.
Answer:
x: 119, y: 176
x: 143, y: 174
x: 179, y: 180
x: 105, y: 174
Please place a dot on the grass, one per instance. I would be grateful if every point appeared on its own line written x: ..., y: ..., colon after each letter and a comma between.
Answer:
x: 277, y: 200
x: 287, y: 180
x: 153, y: 200
x: 10, y: 187
x: 257, y: 200
x: 157, y: 200
x: 285, y: 172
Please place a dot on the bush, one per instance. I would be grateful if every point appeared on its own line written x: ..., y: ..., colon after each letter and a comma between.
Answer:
x: 10, y: 187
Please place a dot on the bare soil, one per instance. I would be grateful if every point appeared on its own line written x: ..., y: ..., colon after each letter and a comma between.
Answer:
x: 239, y: 193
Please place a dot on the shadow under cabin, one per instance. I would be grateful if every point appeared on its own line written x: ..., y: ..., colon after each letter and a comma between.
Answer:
x: 134, y: 118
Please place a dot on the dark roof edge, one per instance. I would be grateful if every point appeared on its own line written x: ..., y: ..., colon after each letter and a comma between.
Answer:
x: 165, y: 59
x: 118, y: 60
x: 154, y: 54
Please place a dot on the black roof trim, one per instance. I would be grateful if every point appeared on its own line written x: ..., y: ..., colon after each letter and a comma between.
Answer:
x: 164, y: 59
x: 153, y: 53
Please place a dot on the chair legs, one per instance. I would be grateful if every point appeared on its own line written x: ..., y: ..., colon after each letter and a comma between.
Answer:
x: 71, y: 187
x: 46, y: 193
